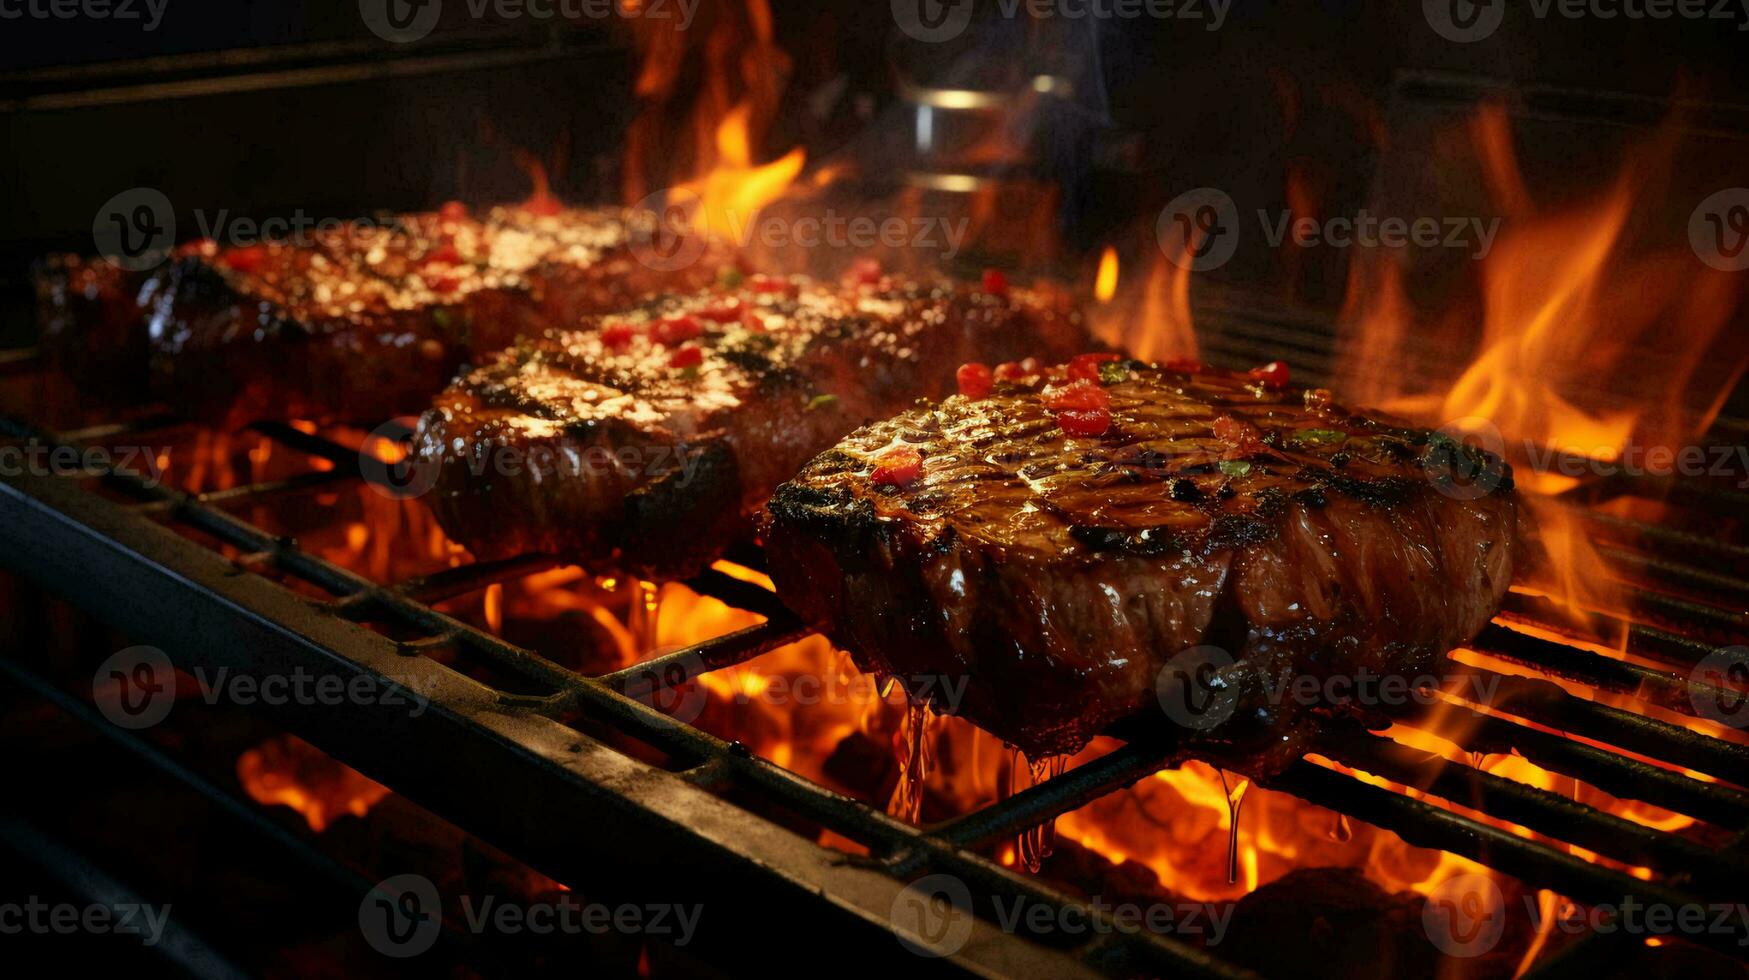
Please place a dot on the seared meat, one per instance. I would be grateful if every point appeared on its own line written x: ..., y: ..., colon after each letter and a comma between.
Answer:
x: 360, y: 323
x: 644, y: 441
x: 1051, y: 549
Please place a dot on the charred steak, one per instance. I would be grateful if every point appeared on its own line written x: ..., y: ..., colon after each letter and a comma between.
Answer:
x: 359, y: 322
x: 1054, y: 548
x: 645, y: 441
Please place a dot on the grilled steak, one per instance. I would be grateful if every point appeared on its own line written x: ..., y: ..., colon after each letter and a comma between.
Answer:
x: 644, y: 441
x: 1054, y: 549
x: 360, y: 323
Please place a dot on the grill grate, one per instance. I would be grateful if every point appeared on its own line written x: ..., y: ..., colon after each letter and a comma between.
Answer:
x: 119, y: 561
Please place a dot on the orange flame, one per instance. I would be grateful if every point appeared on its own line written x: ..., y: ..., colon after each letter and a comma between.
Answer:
x: 288, y: 771
x: 1105, y: 283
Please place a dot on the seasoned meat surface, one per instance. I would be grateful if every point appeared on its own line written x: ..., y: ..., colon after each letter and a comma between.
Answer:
x: 1061, y: 549
x: 644, y: 441
x: 358, y: 322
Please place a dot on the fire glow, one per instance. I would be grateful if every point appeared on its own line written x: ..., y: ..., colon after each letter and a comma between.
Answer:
x: 1555, y: 304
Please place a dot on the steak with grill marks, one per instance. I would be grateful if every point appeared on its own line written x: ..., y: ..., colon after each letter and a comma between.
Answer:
x: 1063, y: 555
x: 359, y: 322
x: 645, y: 441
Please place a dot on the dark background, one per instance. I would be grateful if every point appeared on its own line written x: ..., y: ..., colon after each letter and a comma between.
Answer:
x: 271, y: 109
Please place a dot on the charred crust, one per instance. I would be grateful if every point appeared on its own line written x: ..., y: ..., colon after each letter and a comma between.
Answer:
x: 817, y: 510
x: 674, y: 518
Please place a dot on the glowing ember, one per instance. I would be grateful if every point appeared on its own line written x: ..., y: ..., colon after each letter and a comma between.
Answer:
x: 288, y: 771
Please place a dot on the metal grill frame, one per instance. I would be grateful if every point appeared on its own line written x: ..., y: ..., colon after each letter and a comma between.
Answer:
x: 532, y: 780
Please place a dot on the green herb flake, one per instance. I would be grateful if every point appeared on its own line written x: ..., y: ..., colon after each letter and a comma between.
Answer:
x: 730, y: 277
x: 822, y: 401
x: 1320, y: 437
x: 1235, y: 467
x: 1113, y: 372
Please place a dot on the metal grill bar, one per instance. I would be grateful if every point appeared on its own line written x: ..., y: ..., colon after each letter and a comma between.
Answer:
x: 907, y: 850
x: 1553, y: 816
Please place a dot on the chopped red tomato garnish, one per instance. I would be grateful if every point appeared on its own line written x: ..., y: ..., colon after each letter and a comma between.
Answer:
x: 245, y: 259
x: 753, y: 321
x: 1080, y: 394
x: 1183, y: 365
x: 975, y: 380
x: 1009, y: 371
x: 1086, y: 422
x: 1273, y: 375
x: 445, y: 284
x: 453, y: 211
x: 1242, y: 438
x: 675, y: 330
x: 866, y: 272
x: 995, y: 283
x: 685, y: 357
x: 728, y: 311
x: 617, y: 334
x: 897, y: 467
x: 1085, y: 367
x: 1081, y: 407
